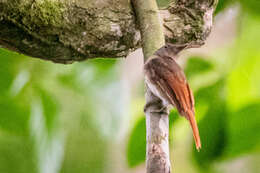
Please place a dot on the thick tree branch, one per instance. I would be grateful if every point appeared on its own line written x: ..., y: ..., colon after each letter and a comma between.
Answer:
x: 68, y: 30
x: 65, y: 31
x: 188, y: 21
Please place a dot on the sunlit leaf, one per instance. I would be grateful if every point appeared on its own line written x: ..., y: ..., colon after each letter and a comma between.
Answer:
x: 90, y: 73
x: 243, y: 80
x: 212, y: 126
x: 13, y: 118
x: 196, y: 66
x: 86, y: 149
x: 6, y: 71
x: 163, y: 3
x: 136, y: 144
x: 223, y: 4
x: 16, y: 154
x: 50, y: 108
x: 48, y: 145
x: 243, y: 131
x: 251, y: 6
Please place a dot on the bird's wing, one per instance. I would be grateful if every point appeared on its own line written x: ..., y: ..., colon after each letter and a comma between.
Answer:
x: 181, y: 91
x: 172, y: 81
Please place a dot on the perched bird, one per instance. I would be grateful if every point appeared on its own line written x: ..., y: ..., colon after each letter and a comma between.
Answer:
x: 166, y: 80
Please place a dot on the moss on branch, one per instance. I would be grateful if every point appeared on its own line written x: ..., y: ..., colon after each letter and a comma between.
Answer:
x: 65, y: 31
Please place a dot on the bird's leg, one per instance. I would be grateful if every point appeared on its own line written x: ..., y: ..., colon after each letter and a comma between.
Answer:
x: 161, y: 110
x: 164, y: 108
x: 157, y: 104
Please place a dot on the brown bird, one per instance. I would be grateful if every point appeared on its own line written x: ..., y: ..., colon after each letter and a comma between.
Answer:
x: 165, y: 78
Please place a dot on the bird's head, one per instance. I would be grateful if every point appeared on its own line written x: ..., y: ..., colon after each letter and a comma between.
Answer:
x: 170, y: 50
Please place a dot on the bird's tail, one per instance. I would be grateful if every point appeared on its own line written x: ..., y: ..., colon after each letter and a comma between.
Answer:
x: 190, y: 116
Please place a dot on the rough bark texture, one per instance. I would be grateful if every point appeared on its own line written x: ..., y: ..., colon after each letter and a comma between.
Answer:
x: 64, y: 31
x: 157, y: 135
x: 188, y: 21
x: 148, y: 16
x: 157, y: 119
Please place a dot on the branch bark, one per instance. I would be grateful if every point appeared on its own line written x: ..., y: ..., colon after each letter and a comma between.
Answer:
x: 65, y: 31
x: 157, y: 119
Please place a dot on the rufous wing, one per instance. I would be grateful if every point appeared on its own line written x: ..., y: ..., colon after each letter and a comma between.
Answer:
x: 172, y: 81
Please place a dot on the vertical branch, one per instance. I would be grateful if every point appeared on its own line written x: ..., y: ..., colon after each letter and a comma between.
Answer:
x: 157, y: 119
x: 150, y: 25
x: 157, y: 134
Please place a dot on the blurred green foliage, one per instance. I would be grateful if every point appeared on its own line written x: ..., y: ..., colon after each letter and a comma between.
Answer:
x: 213, y: 125
x: 43, y: 105
x: 196, y: 66
x: 163, y: 3
x: 64, y: 118
x: 243, y: 127
x: 136, y: 144
x: 223, y: 4
x: 251, y: 6
x: 227, y: 106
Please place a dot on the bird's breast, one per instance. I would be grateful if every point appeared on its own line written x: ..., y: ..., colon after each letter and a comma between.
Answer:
x: 155, y: 90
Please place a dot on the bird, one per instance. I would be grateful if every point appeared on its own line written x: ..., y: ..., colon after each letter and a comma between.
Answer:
x: 166, y: 80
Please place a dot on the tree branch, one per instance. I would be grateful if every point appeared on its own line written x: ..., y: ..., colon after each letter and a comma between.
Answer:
x: 157, y: 119
x: 65, y: 31
x: 188, y: 21
x: 157, y: 135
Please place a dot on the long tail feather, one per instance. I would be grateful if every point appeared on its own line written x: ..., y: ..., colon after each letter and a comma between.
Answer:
x: 195, y: 129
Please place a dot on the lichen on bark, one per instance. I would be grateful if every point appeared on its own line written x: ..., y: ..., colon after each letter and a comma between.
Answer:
x: 188, y: 21
x: 65, y: 31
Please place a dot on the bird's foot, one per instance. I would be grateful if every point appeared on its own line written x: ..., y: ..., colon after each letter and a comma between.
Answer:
x: 162, y: 109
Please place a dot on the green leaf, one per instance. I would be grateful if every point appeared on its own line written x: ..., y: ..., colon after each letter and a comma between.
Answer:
x: 212, y: 126
x: 50, y: 107
x: 6, y: 71
x: 16, y: 154
x: 13, y: 118
x: 89, y: 74
x: 86, y: 150
x: 222, y: 5
x: 102, y: 66
x: 243, y: 79
x: 251, y: 6
x: 197, y: 65
x: 163, y: 3
x: 243, y: 131
x: 136, y: 144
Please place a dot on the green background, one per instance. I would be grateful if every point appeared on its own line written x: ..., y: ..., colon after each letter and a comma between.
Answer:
x: 83, y: 118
